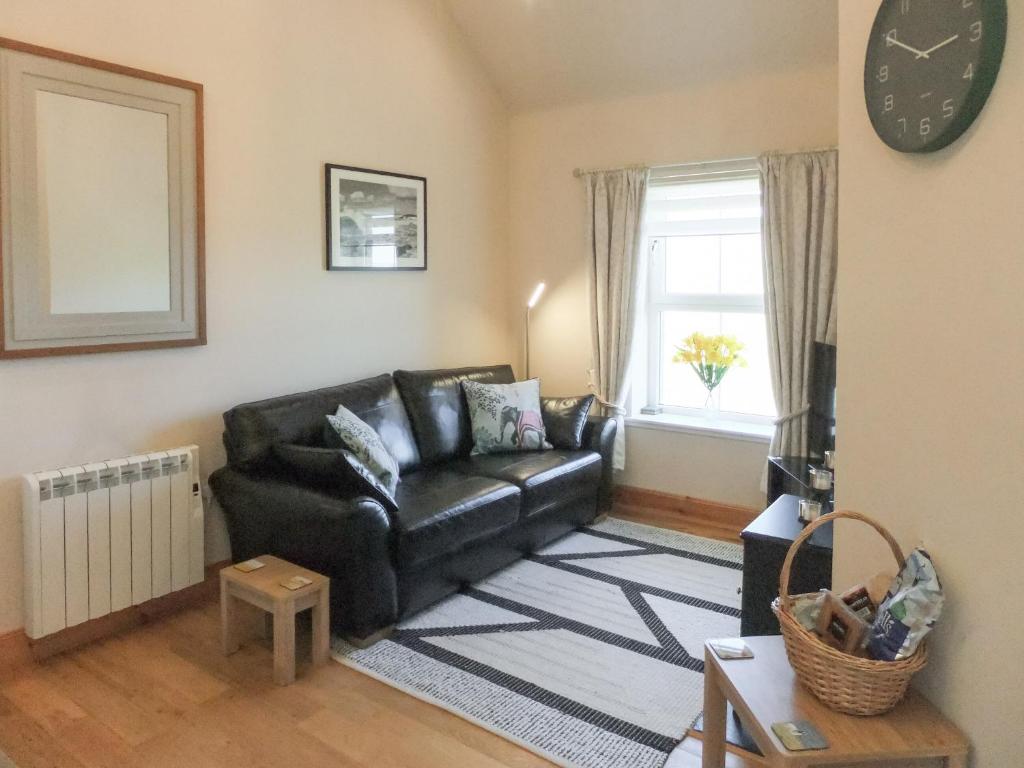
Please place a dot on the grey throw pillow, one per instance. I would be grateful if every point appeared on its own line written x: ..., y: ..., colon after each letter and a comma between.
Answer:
x: 360, y: 438
x: 506, y: 417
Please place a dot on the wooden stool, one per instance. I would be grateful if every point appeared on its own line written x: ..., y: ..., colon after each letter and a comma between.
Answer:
x: 764, y: 690
x: 262, y: 588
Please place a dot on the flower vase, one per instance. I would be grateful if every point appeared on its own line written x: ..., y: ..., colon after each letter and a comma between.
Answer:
x: 709, y: 406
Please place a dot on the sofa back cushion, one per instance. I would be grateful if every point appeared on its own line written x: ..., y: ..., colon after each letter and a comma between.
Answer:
x: 438, y: 411
x: 253, y: 429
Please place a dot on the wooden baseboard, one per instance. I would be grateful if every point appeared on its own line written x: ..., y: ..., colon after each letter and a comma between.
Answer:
x: 699, y: 511
x: 16, y: 648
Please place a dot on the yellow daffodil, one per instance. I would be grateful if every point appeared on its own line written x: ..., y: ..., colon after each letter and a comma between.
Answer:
x: 711, y: 357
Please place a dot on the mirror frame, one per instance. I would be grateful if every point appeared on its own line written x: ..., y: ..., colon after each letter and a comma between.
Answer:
x: 191, y: 231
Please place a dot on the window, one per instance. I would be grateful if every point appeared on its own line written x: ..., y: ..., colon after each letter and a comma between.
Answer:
x: 705, y: 274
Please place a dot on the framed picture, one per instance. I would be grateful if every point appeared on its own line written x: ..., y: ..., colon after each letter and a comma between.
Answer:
x: 375, y: 219
x: 101, y: 206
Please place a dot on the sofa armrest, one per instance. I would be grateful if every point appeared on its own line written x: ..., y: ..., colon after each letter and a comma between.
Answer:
x: 599, y: 436
x: 348, y: 540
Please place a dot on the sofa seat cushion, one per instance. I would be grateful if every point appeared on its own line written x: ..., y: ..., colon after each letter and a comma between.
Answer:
x: 545, y: 478
x: 440, y: 511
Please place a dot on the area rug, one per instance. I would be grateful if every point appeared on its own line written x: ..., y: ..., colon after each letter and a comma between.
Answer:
x: 589, y: 653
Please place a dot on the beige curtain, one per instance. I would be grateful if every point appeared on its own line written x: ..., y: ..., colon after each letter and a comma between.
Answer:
x: 615, y: 214
x: 799, y: 226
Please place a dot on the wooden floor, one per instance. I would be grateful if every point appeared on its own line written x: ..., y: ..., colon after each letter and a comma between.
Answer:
x: 164, y: 695
x: 664, y: 518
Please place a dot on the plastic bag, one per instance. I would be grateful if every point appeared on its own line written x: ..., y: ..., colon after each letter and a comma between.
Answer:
x: 909, y: 611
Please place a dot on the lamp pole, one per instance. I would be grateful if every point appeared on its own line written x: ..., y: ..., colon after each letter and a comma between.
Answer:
x: 534, y: 298
x: 527, y: 342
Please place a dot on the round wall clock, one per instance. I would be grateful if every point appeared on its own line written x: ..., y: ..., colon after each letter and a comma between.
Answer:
x: 930, y: 66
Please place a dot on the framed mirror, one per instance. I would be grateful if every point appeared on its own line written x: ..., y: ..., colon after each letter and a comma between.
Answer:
x: 101, y: 206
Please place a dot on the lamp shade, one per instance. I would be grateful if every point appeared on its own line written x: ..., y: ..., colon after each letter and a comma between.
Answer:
x: 536, y: 296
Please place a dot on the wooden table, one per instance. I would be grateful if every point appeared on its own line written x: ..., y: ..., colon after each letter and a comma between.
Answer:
x: 262, y: 588
x: 764, y: 690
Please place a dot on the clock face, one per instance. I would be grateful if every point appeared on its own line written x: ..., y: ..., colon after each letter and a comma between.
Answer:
x: 929, y: 68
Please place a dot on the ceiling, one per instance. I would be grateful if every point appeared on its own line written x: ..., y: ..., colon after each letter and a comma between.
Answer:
x: 544, y: 53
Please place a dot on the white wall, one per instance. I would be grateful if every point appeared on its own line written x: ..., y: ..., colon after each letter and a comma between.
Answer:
x: 930, y: 376
x: 719, y: 121
x: 385, y: 84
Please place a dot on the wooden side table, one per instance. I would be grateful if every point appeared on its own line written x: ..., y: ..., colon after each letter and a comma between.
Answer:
x: 764, y: 690
x: 262, y: 588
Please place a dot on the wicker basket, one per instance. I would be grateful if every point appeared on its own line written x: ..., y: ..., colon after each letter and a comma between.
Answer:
x: 843, y: 682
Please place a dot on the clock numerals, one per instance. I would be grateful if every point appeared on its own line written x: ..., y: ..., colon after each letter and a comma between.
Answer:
x: 925, y: 126
x: 890, y: 37
x: 976, y: 30
x: 969, y: 72
x: 904, y: 7
x: 968, y: 3
x: 883, y: 73
x: 890, y: 103
x: 947, y: 109
x: 903, y: 126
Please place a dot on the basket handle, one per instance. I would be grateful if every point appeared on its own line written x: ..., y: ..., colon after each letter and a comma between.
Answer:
x: 805, y: 534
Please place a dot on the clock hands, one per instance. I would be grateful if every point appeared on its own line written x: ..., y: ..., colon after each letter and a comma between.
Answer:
x: 934, y: 48
x: 891, y: 39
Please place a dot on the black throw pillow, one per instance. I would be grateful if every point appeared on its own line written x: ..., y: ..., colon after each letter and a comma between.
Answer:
x: 334, y: 468
x: 565, y: 418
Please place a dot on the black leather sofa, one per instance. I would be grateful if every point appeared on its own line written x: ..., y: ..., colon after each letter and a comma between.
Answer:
x: 458, y: 518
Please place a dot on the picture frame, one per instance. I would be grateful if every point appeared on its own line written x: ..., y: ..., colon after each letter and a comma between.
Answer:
x: 374, y: 220
x: 101, y: 206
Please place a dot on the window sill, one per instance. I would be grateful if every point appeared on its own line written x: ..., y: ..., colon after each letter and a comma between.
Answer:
x: 703, y: 426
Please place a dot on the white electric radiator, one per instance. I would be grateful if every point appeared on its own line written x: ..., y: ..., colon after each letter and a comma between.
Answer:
x: 103, y: 537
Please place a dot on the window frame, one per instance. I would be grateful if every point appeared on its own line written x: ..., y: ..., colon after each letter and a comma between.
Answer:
x: 659, y: 300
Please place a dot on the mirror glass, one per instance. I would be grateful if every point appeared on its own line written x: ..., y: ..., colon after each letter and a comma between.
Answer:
x: 103, y: 202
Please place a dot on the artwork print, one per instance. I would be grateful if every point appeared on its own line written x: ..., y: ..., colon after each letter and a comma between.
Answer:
x: 375, y: 220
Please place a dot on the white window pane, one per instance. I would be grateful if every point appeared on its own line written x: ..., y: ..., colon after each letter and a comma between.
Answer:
x: 709, y: 257
x: 743, y: 390
x: 692, y: 264
x: 741, y: 264
x: 680, y: 385
x: 748, y: 390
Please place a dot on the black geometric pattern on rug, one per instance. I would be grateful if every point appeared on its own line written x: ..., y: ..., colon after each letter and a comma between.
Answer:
x: 668, y: 650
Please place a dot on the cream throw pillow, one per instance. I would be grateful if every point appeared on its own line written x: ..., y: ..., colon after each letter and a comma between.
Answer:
x: 360, y: 438
x: 506, y: 417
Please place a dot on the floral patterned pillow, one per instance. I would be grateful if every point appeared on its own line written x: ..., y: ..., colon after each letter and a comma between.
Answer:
x: 360, y: 438
x: 506, y: 417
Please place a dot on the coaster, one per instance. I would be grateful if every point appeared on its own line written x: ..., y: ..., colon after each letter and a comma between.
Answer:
x: 799, y: 735
x: 731, y: 648
x: 296, y: 582
x: 249, y: 566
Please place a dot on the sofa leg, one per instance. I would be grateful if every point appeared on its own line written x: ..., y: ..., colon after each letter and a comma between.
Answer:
x: 376, y: 637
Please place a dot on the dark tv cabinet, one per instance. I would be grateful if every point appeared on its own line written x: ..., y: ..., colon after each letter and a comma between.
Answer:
x: 765, y: 544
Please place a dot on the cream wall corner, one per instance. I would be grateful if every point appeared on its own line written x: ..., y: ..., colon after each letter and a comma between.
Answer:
x: 721, y: 120
x: 388, y: 84
x: 930, y: 375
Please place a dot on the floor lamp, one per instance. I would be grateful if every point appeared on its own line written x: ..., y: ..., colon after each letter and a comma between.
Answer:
x: 530, y: 305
